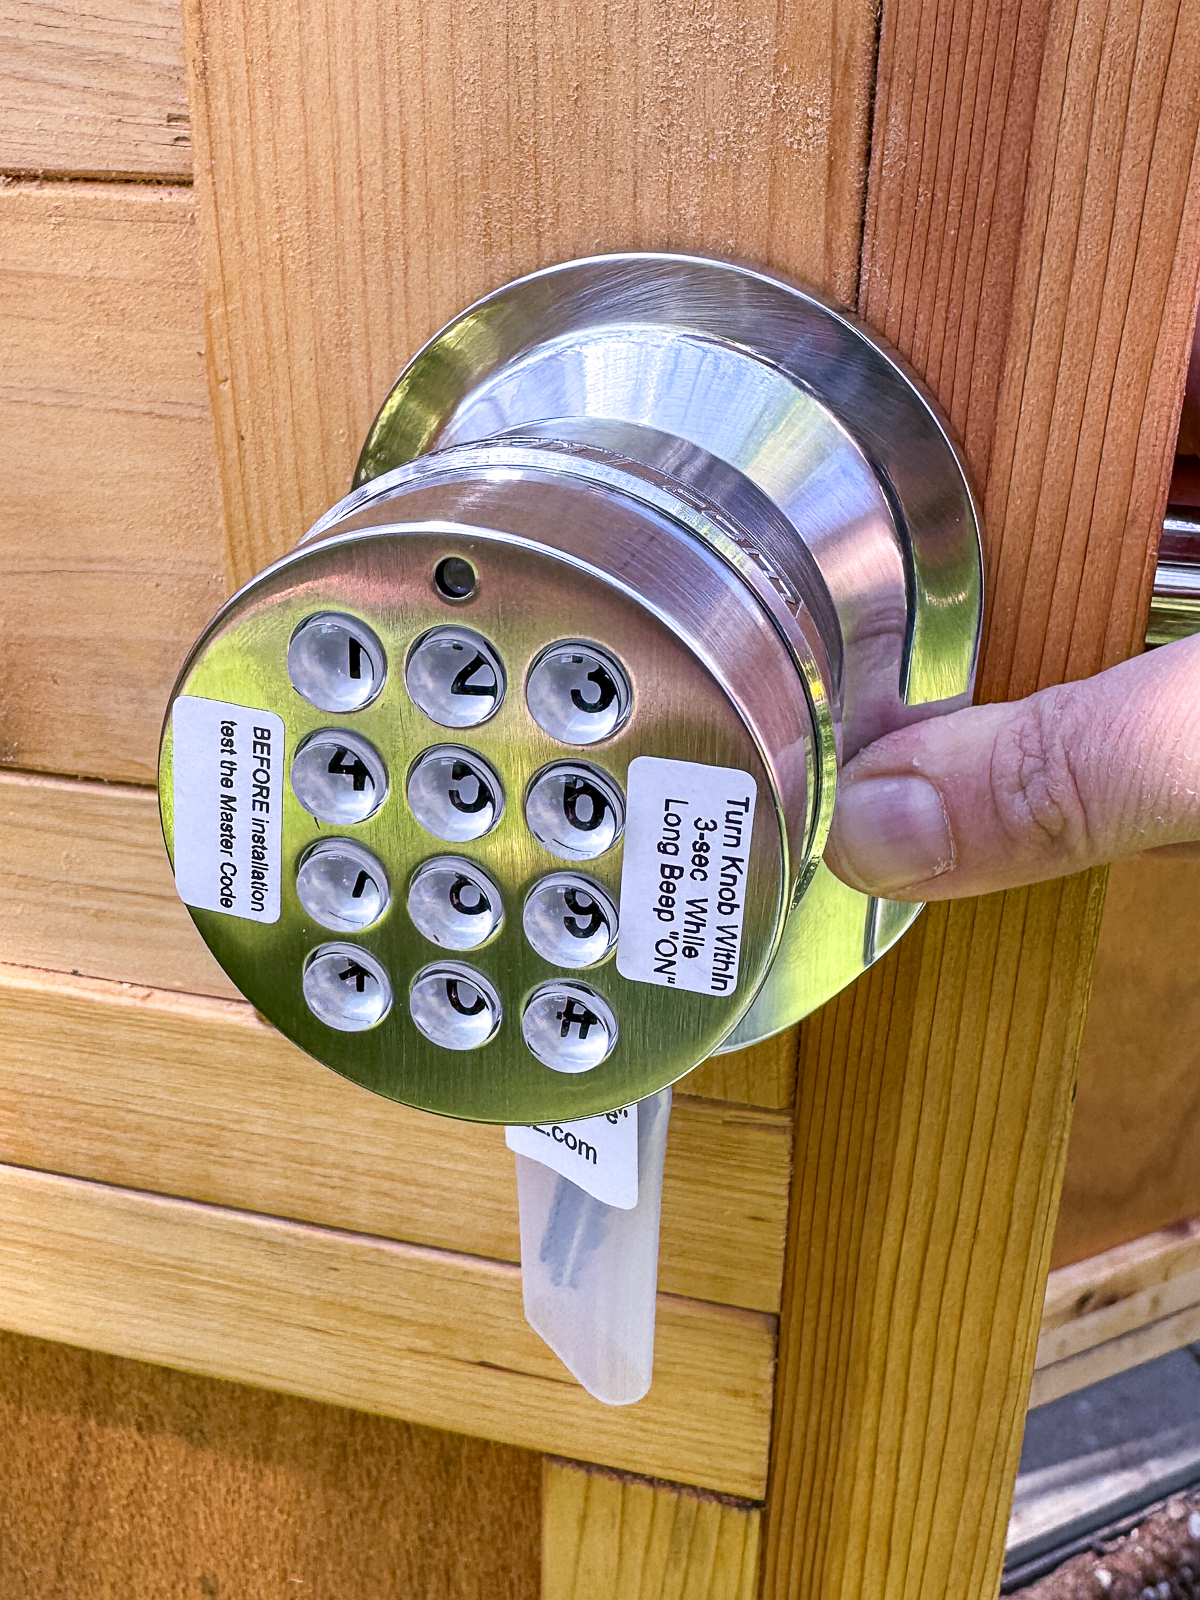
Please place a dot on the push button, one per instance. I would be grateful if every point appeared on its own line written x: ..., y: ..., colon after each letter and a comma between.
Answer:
x: 454, y: 1006
x: 568, y: 1027
x: 346, y: 988
x: 338, y: 777
x: 577, y: 693
x: 455, y: 677
x: 342, y: 886
x: 574, y: 811
x: 454, y: 904
x: 454, y: 794
x: 570, y: 920
x: 335, y: 662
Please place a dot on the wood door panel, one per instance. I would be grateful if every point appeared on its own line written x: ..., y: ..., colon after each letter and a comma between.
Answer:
x: 608, y: 1536
x: 365, y: 172
x: 124, y: 1481
x: 1133, y: 1164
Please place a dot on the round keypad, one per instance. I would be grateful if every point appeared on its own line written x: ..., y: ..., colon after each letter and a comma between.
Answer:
x: 574, y: 811
x: 339, y: 777
x: 342, y: 886
x: 454, y: 794
x: 455, y: 677
x: 454, y: 1006
x: 454, y: 903
x: 570, y: 920
x: 578, y: 693
x: 569, y: 1027
x: 346, y: 988
x: 336, y: 662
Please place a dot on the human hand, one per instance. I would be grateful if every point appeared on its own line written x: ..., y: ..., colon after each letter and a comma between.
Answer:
x: 1000, y: 795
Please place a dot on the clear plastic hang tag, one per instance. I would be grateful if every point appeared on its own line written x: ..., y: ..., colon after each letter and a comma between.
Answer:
x: 589, y: 1270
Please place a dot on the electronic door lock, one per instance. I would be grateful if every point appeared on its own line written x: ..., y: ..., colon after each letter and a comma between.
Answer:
x: 505, y: 793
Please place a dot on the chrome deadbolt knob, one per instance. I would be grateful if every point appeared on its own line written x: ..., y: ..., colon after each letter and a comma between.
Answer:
x: 542, y: 723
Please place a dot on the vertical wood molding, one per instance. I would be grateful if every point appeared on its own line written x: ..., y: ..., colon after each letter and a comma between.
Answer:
x: 364, y: 172
x: 113, y: 551
x: 609, y: 1536
x: 1032, y: 245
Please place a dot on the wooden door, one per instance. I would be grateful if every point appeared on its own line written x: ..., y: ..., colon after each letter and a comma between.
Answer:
x: 303, y: 1303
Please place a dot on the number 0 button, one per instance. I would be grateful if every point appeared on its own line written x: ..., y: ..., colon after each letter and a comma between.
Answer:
x: 568, y: 1026
x: 454, y: 794
x: 454, y: 1006
x: 346, y: 988
x: 338, y: 777
x: 335, y: 662
x: 455, y: 677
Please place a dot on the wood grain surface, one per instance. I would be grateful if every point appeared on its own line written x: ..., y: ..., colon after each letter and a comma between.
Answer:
x: 1133, y: 1163
x: 609, y: 1536
x: 122, y: 1481
x: 91, y: 88
x: 112, y: 558
x: 89, y: 889
x: 367, y: 171
x: 934, y: 1097
x: 200, y: 1098
x: 431, y: 1337
x: 1145, y: 1341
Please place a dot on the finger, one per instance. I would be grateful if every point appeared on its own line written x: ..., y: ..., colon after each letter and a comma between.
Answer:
x: 999, y: 795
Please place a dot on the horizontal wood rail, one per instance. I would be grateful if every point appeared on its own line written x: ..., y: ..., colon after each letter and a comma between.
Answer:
x: 1118, y: 1309
x: 424, y: 1335
x: 89, y: 891
x: 199, y: 1098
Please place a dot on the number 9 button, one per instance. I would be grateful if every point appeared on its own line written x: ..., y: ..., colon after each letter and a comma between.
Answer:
x: 570, y: 920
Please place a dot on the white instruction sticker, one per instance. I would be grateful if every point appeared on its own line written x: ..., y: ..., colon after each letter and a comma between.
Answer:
x: 228, y: 781
x: 598, y: 1154
x: 683, y: 882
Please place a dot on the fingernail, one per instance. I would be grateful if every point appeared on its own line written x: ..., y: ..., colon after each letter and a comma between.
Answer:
x: 890, y: 833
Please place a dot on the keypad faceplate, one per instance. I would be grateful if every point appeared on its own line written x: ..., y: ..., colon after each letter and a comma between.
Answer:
x: 443, y: 815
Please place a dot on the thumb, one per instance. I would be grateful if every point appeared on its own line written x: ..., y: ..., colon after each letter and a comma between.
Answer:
x: 1000, y: 795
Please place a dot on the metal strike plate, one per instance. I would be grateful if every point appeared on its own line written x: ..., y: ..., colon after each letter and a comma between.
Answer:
x: 533, y: 740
